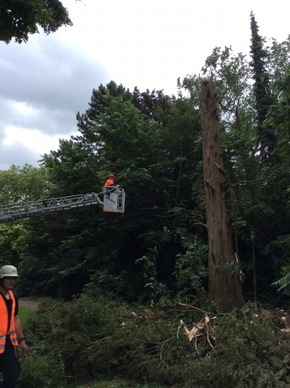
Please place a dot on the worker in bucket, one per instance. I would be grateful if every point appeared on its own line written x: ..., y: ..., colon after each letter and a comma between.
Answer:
x: 11, y: 333
x: 110, y: 182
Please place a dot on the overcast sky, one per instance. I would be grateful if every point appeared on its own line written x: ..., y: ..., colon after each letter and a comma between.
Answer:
x: 143, y: 43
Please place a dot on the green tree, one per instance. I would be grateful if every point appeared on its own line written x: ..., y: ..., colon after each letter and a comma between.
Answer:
x: 279, y: 117
x: 148, y: 140
x: 19, y: 184
x: 254, y: 194
x: 19, y: 18
x: 263, y: 96
x: 23, y: 184
x: 270, y: 191
x: 230, y: 72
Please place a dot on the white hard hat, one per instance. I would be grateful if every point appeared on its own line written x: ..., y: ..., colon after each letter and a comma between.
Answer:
x: 8, y: 271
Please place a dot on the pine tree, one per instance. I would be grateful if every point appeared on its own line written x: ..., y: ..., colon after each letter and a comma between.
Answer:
x: 263, y: 97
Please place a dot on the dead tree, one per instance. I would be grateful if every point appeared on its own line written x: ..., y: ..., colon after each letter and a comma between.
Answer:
x: 225, y: 288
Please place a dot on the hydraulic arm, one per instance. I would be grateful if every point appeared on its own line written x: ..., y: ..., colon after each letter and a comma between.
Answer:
x: 114, y: 202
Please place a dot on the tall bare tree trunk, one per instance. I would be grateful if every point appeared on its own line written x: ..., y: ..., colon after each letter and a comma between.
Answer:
x: 224, y: 283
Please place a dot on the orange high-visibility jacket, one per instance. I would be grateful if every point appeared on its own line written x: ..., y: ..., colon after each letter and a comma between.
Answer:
x: 110, y: 182
x: 4, y: 323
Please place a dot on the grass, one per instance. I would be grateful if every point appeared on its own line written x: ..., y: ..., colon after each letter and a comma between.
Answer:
x: 25, y: 313
x: 116, y: 383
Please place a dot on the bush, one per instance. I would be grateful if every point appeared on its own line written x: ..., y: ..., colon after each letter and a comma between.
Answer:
x: 250, y: 351
x: 86, y: 338
x: 40, y: 370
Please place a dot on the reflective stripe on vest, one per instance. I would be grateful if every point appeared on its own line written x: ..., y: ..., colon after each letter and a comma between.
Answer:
x: 4, y: 322
x: 13, y: 336
x: 2, y: 342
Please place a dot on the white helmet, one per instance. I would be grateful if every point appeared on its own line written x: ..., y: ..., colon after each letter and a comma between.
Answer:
x: 8, y: 271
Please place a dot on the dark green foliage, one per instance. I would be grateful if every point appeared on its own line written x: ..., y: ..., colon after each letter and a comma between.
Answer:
x: 230, y: 72
x: 19, y: 18
x: 41, y: 371
x: 279, y: 114
x: 149, y: 141
x: 97, y: 337
x: 21, y: 184
x: 250, y: 351
x: 86, y: 338
x: 190, y: 269
x: 263, y: 96
x: 257, y: 193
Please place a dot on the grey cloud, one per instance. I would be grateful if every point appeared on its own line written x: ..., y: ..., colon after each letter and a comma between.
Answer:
x: 55, y: 82
x: 17, y: 154
x: 48, y: 76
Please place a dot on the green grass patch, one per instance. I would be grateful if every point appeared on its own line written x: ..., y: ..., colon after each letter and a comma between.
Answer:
x: 25, y: 314
x: 115, y: 383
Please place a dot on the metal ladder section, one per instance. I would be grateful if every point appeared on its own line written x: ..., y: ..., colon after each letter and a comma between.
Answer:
x: 25, y: 209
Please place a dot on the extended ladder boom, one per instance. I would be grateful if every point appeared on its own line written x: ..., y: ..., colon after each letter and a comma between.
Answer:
x: 26, y: 209
x: 113, y: 202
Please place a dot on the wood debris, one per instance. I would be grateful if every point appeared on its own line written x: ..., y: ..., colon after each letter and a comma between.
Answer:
x: 286, y: 321
x: 202, y: 328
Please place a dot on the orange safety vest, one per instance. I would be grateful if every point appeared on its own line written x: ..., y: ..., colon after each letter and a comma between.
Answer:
x: 4, y: 322
x: 110, y: 182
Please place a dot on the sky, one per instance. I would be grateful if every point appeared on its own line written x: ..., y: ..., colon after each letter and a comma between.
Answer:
x: 143, y: 43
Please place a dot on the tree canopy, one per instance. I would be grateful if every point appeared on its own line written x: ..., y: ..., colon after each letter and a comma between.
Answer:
x: 20, y: 18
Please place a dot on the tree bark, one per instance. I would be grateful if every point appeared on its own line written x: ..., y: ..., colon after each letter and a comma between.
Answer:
x: 225, y: 288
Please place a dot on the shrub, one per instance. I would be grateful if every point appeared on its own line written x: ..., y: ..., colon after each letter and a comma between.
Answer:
x: 86, y: 338
x: 41, y: 370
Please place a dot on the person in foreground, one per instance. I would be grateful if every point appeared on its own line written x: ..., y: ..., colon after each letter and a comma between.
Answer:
x: 11, y: 333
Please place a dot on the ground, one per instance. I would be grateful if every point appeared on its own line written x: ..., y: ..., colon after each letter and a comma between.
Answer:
x: 28, y: 303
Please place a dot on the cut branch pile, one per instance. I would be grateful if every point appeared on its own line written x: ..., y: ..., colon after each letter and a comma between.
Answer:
x: 204, y: 328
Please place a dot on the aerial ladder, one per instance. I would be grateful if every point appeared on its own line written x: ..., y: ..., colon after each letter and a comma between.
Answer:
x: 113, y: 201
